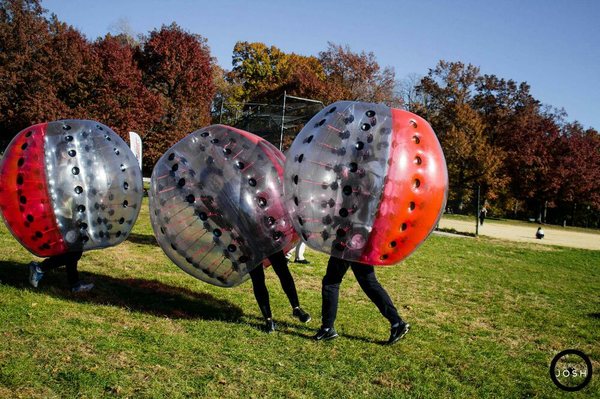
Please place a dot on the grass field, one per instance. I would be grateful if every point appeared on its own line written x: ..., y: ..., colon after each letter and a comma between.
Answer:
x: 487, y: 317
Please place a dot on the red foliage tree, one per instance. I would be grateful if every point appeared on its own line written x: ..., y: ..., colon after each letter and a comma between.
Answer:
x: 177, y: 67
x: 357, y: 76
x: 27, y: 95
x: 120, y: 97
x: 581, y: 160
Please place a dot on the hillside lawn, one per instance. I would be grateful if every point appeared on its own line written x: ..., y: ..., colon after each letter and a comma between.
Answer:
x: 487, y: 318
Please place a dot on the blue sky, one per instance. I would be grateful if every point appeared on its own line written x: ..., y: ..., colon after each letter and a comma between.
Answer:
x: 554, y: 45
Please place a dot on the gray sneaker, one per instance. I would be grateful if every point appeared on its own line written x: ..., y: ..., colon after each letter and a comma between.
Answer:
x: 35, y: 274
x: 82, y: 287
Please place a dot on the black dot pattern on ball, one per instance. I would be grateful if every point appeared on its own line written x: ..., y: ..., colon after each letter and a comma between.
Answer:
x: 213, y: 178
x: 353, y: 160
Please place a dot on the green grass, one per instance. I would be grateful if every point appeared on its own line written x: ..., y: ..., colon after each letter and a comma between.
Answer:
x: 487, y: 317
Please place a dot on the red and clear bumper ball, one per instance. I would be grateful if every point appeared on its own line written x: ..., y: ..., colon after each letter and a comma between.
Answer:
x: 71, y: 185
x: 365, y: 182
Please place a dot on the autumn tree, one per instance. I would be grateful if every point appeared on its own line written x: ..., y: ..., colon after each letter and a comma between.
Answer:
x: 412, y: 99
x: 535, y: 153
x: 581, y: 180
x: 471, y: 157
x: 176, y: 67
x: 258, y: 69
x: 120, y: 97
x: 357, y: 76
x: 27, y: 93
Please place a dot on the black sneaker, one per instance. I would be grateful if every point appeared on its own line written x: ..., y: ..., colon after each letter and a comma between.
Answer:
x: 325, y: 334
x: 269, y: 325
x: 302, y: 261
x: 301, y: 315
x: 397, y: 333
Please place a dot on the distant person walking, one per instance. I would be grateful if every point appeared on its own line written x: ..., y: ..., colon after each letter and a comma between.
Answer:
x: 539, y: 233
x: 482, y: 215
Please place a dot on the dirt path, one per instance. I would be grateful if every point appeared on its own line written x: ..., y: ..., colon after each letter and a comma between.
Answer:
x: 554, y: 235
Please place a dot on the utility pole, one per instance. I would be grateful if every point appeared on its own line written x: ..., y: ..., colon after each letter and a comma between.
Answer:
x: 478, y: 209
x: 282, y: 122
x: 221, y: 111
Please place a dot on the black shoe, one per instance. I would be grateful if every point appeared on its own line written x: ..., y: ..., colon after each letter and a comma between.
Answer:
x: 301, y: 315
x: 269, y: 325
x: 397, y: 333
x: 302, y: 261
x: 325, y: 334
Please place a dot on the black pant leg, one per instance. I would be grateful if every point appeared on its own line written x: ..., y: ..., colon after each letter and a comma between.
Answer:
x: 336, y: 268
x: 54, y: 262
x: 260, y: 290
x: 71, y: 264
x: 365, y: 275
x: 69, y: 260
x: 280, y: 265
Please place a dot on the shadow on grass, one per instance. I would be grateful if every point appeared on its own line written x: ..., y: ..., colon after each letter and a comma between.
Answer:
x: 144, y: 239
x: 306, y: 331
x: 139, y: 295
x: 152, y: 297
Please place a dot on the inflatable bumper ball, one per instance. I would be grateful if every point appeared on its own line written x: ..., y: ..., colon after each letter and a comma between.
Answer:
x: 216, y: 204
x: 365, y: 182
x: 71, y: 185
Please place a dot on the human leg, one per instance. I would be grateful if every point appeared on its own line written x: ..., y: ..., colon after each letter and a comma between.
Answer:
x: 37, y: 270
x: 300, y: 248
x: 280, y: 265
x: 336, y: 268
x: 260, y: 291
x: 365, y: 275
x: 71, y: 259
